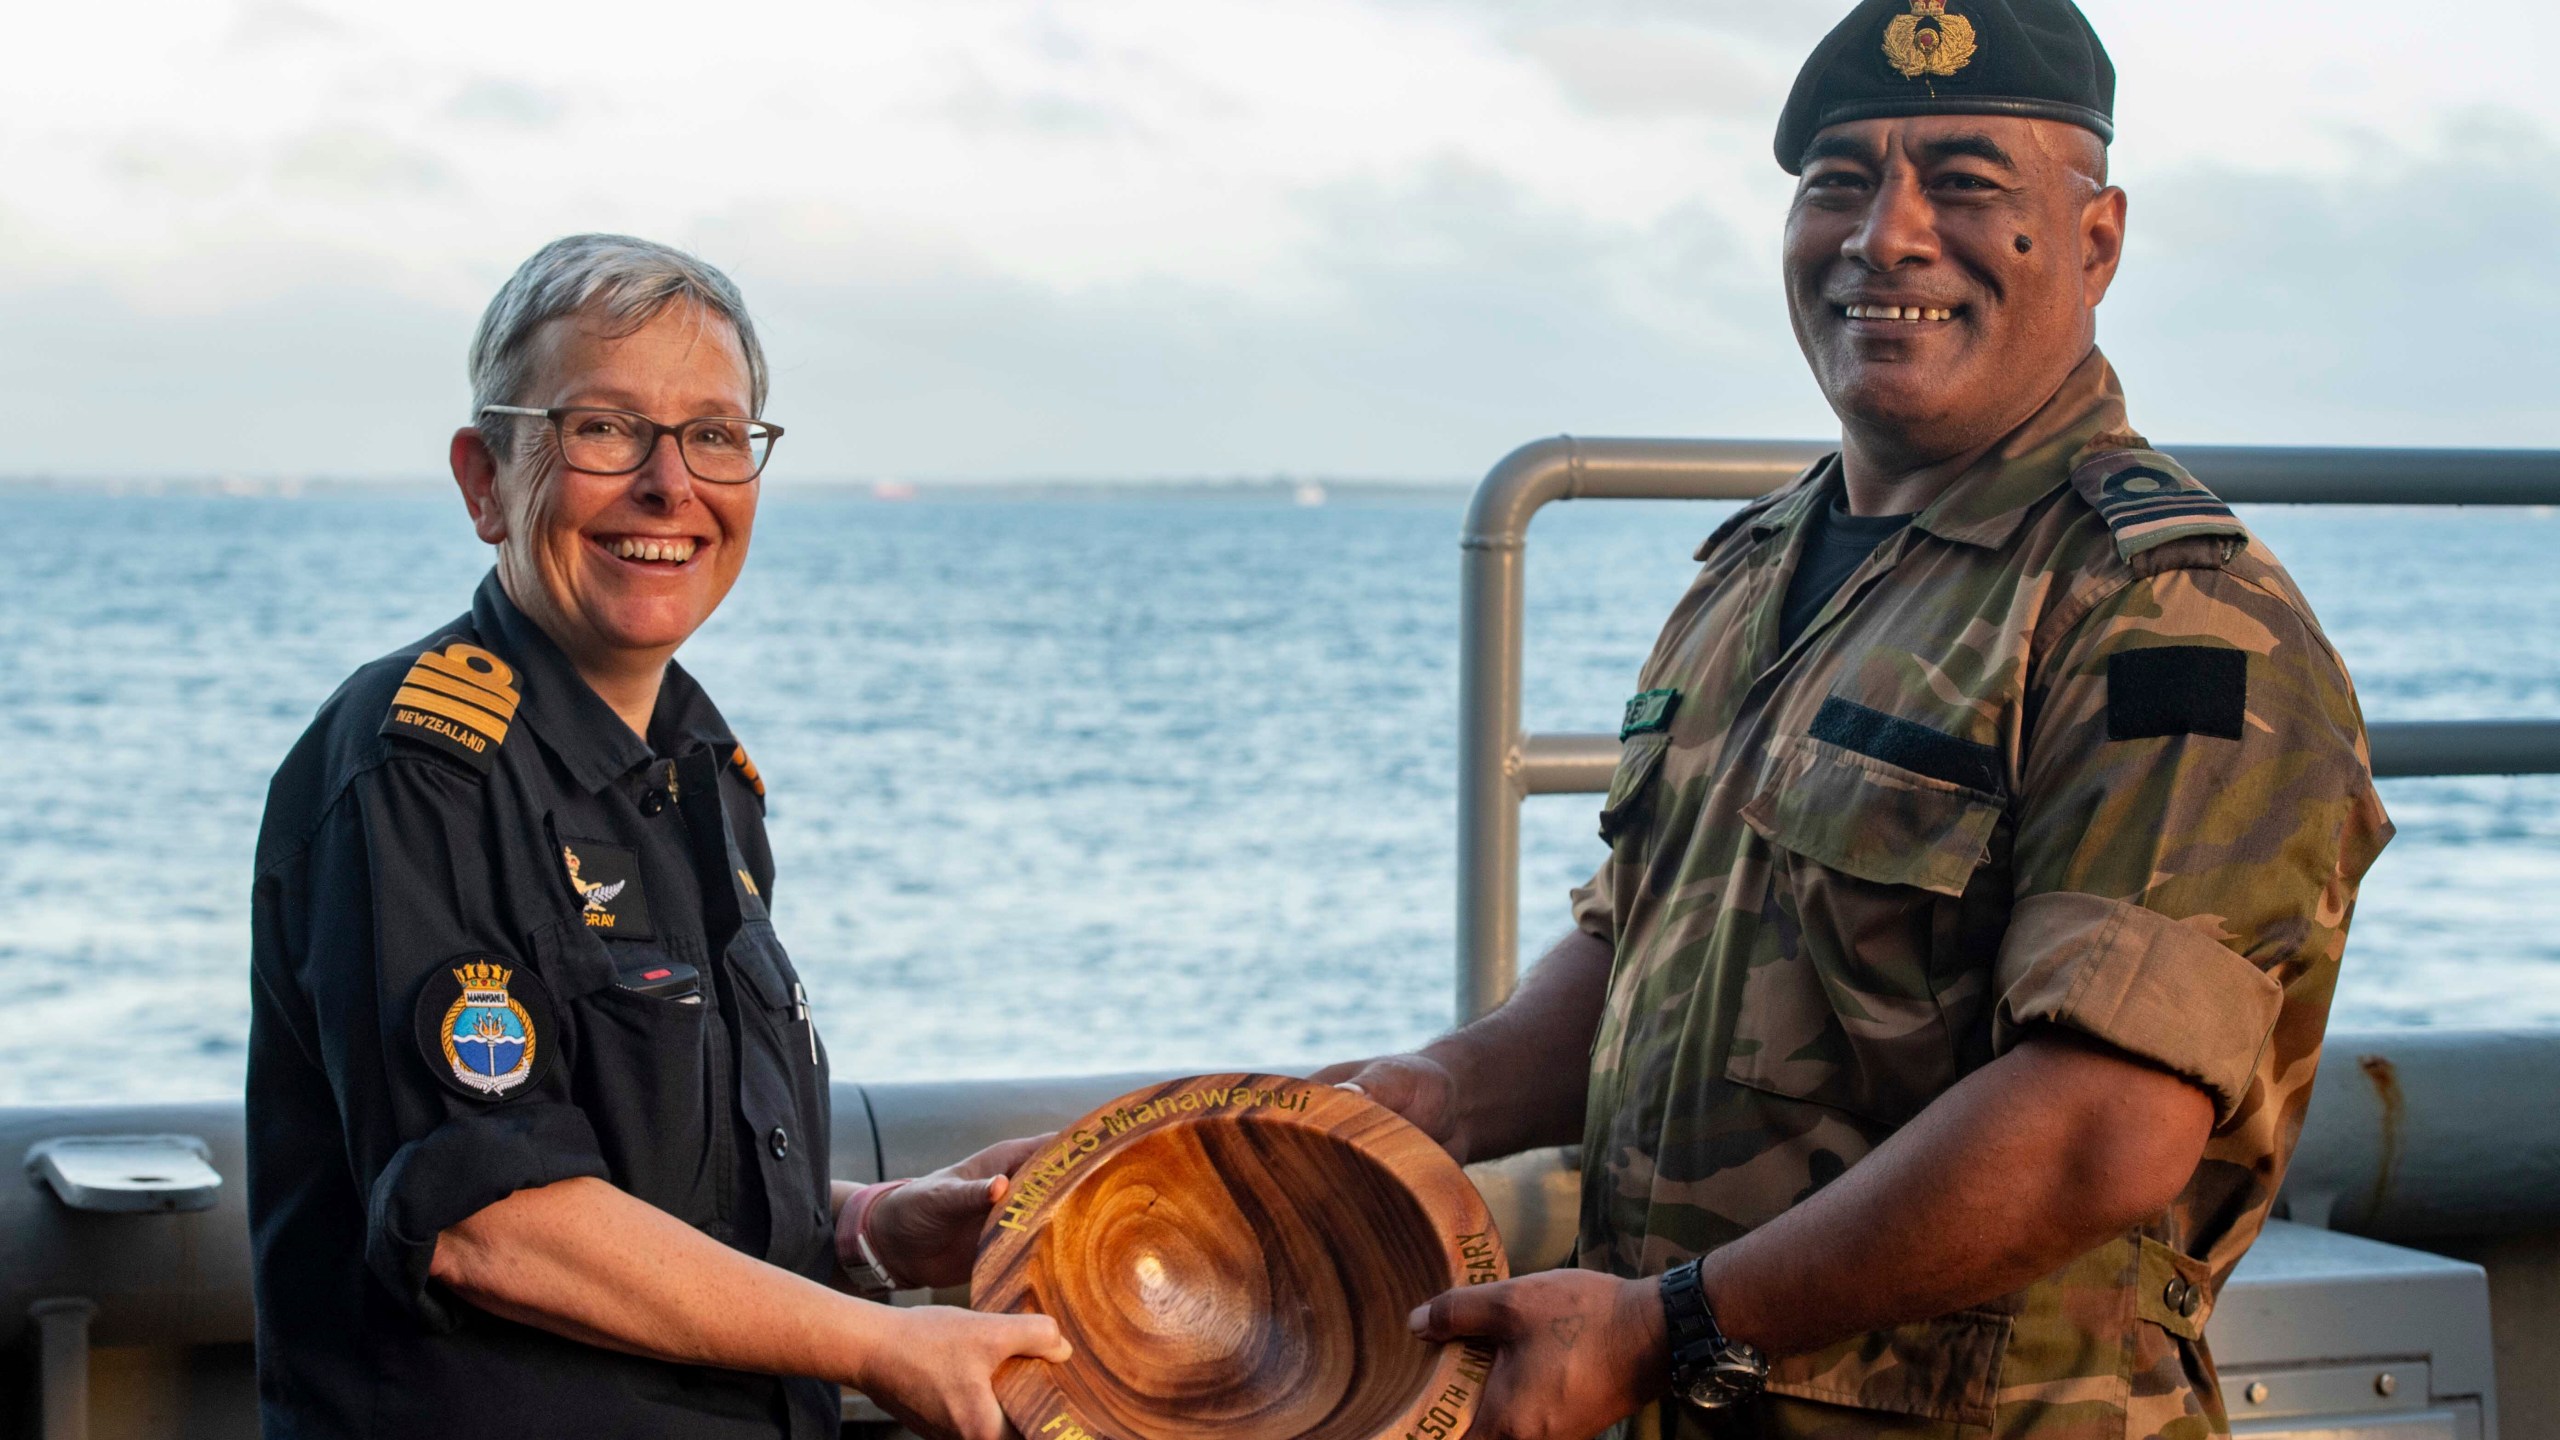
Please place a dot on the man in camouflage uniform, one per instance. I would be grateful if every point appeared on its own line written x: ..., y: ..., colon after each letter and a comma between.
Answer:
x: 1983, y: 848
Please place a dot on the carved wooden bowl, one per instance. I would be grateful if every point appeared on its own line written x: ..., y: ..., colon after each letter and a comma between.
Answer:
x: 1234, y: 1256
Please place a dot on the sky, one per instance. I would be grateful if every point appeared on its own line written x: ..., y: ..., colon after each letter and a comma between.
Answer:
x: 1185, y: 238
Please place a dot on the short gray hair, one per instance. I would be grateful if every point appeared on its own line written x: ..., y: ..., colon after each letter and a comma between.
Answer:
x: 621, y: 279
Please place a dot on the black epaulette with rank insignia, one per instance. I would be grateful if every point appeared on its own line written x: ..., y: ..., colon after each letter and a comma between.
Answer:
x: 457, y: 698
x: 747, y: 771
x: 2149, y: 500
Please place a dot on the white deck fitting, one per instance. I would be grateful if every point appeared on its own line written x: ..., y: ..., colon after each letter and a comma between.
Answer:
x: 127, y: 1174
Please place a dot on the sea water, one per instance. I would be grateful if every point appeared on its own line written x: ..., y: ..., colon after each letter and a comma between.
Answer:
x: 1065, y: 784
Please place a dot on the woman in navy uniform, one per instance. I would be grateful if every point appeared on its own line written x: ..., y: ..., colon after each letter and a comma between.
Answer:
x: 537, y: 1116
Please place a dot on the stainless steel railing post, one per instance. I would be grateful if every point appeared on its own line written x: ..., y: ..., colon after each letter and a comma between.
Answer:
x: 1488, y: 797
x: 1498, y: 766
x: 1491, y: 616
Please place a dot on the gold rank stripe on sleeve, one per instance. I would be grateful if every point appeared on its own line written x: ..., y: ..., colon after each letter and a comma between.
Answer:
x: 459, y: 699
x: 746, y: 768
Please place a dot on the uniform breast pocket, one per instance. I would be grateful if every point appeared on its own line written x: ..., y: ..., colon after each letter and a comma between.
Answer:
x: 1856, y: 1002
x: 783, y: 1093
x: 790, y: 1029
x: 645, y: 1073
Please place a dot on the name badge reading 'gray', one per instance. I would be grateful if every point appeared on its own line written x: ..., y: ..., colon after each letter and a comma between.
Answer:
x: 607, y: 879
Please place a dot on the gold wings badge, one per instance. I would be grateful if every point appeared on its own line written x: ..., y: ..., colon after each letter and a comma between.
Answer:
x: 1929, y: 41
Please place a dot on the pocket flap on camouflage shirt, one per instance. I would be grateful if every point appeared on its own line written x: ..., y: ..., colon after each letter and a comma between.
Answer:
x: 1872, y: 819
x: 1944, y: 1369
x: 1630, y: 784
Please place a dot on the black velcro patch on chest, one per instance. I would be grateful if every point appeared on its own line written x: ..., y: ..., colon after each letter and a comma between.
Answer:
x: 2177, y: 690
x: 1907, y: 743
x: 607, y: 881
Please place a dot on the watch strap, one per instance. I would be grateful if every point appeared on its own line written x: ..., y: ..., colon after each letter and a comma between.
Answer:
x: 1695, y: 1336
x: 864, y: 1265
x: 1708, y: 1368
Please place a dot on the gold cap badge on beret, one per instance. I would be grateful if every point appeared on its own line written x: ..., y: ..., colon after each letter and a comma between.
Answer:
x: 1929, y: 41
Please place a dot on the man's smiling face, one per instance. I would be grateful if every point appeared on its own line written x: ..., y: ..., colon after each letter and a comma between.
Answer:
x: 1942, y: 271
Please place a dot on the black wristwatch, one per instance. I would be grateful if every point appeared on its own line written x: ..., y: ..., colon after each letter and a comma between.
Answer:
x: 1708, y: 1370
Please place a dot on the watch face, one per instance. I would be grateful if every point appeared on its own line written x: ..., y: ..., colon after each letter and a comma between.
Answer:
x: 1713, y: 1392
x: 1728, y: 1380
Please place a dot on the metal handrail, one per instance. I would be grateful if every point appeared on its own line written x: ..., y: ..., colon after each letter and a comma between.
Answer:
x: 1499, y: 766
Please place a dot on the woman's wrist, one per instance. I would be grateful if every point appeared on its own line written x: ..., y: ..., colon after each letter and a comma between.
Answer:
x: 853, y: 1223
x: 865, y: 1341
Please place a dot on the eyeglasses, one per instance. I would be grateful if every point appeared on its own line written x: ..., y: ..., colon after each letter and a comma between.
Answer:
x: 721, y: 449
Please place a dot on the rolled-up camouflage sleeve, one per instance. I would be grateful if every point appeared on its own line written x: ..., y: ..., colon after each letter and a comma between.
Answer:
x: 2196, y: 809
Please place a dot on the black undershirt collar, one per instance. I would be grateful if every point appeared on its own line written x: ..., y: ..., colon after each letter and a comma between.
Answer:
x: 1836, y: 543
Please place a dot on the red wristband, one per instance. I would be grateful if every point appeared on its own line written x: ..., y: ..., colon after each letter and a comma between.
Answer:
x: 859, y: 1203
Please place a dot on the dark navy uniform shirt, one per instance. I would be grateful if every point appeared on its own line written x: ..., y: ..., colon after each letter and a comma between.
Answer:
x: 502, y: 941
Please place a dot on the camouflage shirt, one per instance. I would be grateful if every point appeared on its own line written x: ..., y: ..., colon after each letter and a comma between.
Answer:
x: 2067, y: 750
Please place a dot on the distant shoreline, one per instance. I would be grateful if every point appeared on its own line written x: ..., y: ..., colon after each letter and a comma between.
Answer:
x: 1285, y: 490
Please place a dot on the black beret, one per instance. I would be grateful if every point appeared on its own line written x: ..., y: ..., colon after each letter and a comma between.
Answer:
x: 2037, y: 58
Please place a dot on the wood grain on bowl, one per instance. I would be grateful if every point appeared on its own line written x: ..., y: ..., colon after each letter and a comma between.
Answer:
x: 1235, y: 1255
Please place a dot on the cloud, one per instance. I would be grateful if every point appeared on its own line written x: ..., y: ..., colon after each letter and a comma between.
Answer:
x: 2411, y: 302
x: 1185, y: 236
x: 1790, y: 26
x: 174, y: 164
x: 270, y: 23
x: 355, y: 161
x: 507, y: 104
x: 1437, y: 316
x: 1443, y: 317
x: 1434, y: 318
x: 1659, y: 70
x: 978, y: 106
x: 329, y: 378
